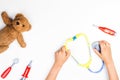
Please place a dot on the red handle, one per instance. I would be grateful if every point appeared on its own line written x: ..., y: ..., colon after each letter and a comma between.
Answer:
x: 107, y: 30
x: 6, y: 72
x: 26, y: 72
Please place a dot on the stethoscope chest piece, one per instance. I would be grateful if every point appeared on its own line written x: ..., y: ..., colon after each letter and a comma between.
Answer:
x: 96, y: 45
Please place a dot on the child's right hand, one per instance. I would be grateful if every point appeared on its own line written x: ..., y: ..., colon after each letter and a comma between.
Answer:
x: 105, y: 54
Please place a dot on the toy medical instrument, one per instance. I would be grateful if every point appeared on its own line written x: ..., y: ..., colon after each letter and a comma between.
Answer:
x: 88, y: 63
x: 26, y: 72
x: 106, y: 30
x: 7, y: 71
x: 96, y: 45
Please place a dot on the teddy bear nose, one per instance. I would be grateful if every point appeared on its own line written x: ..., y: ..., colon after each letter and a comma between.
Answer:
x: 17, y: 23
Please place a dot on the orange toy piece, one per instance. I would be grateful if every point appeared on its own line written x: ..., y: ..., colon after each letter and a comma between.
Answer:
x: 13, y: 30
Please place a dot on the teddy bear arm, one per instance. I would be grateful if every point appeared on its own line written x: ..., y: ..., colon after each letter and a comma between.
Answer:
x: 21, y: 40
x: 3, y: 48
x: 6, y: 18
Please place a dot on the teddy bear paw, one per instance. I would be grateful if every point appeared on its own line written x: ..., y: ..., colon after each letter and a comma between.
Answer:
x: 23, y: 45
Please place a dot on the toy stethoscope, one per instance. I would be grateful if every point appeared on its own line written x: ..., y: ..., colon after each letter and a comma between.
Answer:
x: 88, y: 63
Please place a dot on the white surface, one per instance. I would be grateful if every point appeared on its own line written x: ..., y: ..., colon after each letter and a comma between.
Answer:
x: 53, y: 21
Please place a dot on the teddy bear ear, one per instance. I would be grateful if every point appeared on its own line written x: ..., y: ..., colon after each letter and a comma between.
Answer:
x: 18, y: 15
x: 29, y: 27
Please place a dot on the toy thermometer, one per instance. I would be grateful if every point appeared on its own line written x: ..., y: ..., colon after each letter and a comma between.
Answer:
x: 106, y: 30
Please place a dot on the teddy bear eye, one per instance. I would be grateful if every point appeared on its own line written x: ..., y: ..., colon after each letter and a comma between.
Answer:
x: 23, y: 25
x: 17, y: 23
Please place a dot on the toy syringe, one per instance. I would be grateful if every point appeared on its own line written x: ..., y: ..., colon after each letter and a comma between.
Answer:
x: 26, y: 72
x: 106, y: 30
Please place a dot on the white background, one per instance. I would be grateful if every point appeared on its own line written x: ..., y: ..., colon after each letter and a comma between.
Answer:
x: 53, y: 21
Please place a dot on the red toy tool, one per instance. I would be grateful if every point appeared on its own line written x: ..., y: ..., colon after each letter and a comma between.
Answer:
x: 26, y: 72
x: 7, y: 71
x: 106, y: 30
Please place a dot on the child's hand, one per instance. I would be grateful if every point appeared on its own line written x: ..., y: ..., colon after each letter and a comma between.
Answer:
x: 61, y: 56
x: 105, y: 54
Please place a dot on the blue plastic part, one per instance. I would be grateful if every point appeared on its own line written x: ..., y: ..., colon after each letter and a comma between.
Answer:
x: 98, y: 70
x: 96, y: 45
x: 74, y: 38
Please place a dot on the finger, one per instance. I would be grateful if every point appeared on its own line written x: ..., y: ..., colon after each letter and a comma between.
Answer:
x: 58, y: 51
x: 107, y: 43
x: 68, y: 53
x: 102, y: 44
x: 63, y: 49
x: 99, y: 54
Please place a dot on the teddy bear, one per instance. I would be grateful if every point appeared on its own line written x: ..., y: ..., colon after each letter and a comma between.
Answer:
x: 13, y: 30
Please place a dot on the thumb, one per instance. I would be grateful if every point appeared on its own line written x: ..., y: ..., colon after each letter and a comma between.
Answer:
x: 98, y: 53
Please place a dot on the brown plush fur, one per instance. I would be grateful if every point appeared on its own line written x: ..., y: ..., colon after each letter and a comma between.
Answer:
x: 13, y: 30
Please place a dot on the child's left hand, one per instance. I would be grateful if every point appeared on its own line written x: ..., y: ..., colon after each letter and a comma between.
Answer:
x: 61, y: 56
